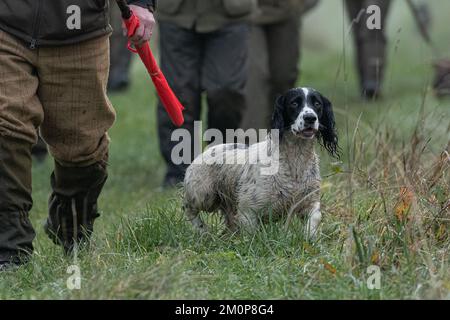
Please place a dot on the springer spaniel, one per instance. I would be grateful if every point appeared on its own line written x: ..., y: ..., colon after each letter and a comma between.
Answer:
x: 229, y: 177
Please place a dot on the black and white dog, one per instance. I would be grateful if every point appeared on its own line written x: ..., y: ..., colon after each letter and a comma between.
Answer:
x: 240, y: 190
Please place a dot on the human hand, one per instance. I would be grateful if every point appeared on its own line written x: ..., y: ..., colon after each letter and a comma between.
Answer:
x: 147, y: 23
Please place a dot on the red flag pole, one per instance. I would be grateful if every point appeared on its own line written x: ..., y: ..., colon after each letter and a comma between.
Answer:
x: 170, y: 102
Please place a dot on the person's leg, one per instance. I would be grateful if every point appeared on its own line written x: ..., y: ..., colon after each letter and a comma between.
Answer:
x: 78, y: 115
x: 20, y: 115
x: 224, y: 75
x: 441, y: 82
x: 16, y: 231
x: 119, y: 75
x: 180, y: 62
x: 370, y: 45
x: 357, y: 17
x: 284, y: 55
x: 39, y: 150
x: 258, y: 90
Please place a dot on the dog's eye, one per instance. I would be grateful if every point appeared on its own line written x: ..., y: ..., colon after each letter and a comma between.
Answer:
x: 294, y: 104
x: 317, y: 104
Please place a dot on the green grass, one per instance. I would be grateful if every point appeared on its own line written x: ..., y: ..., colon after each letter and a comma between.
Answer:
x: 144, y: 248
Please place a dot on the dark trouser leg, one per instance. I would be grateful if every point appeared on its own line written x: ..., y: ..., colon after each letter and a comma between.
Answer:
x: 73, y: 202
x: 16, y: 231
x: 119, y: 74
x: 272, y: 71
x: 283, y: 64
x: 180, y: 62
x: 370, y: 45
x: 441, y: 83
x: 20, y: 115
x: 79, y: 143
x: 224, y: 75
x: 39, y: 150
x: 258, y: 89
x: 354, y: 9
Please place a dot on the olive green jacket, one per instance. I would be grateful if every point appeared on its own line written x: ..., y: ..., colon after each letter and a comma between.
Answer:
x: 44, y: 22
x: 205, y: 15
x: 274, y: 11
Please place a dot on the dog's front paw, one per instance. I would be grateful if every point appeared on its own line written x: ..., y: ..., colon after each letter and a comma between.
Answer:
x: 313, y: 222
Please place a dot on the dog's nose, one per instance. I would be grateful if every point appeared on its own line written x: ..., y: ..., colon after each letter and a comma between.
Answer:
x: 310, y: 118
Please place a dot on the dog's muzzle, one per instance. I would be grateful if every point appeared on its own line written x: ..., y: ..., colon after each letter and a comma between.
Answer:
x: 307, y: 127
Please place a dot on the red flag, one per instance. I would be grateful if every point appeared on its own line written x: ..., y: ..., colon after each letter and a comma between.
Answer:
x: 170, y: 102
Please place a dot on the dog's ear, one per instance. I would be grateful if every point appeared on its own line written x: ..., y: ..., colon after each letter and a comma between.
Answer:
x: 277, y: 116
x: 327, y: 129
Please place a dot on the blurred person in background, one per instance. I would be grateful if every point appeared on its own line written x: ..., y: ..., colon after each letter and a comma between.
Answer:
x: 120, y: 56
x: 204, y: 49
x: 371, y: 45
x: 274, y: 56
x: 54, y: 62
x: 441, y: 83
x: 39, y: 151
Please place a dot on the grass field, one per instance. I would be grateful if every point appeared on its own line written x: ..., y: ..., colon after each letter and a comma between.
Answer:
x: 383, y: 205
